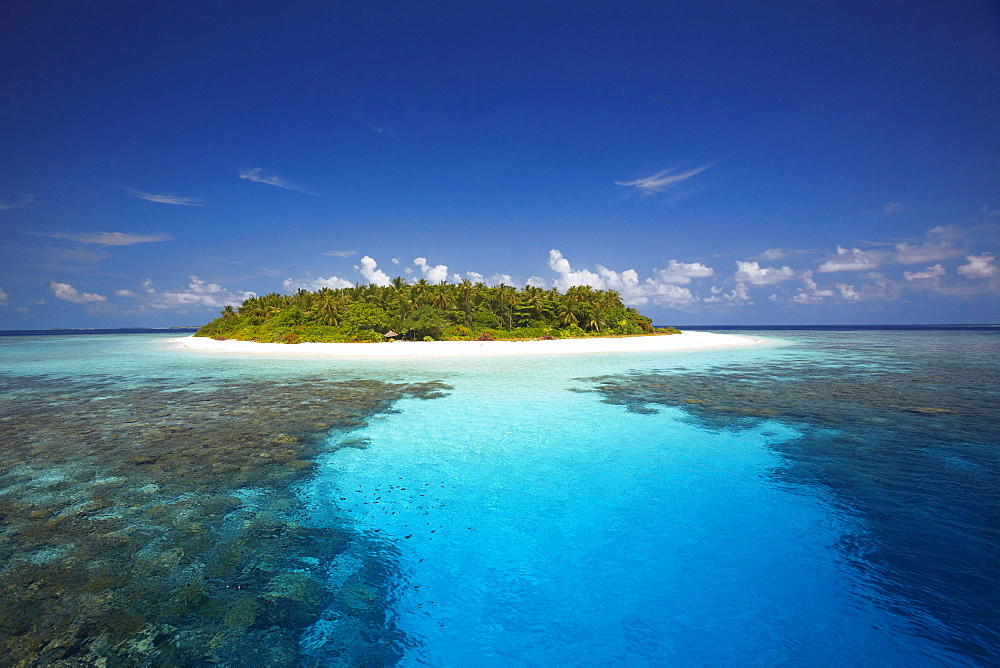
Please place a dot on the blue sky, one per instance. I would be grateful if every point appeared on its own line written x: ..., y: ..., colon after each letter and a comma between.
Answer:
x: 715, y: 162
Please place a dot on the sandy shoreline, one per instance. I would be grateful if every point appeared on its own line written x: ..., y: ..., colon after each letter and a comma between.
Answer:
x: 690, y: 340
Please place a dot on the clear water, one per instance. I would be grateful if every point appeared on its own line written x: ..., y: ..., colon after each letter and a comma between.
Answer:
x: 831, y: 499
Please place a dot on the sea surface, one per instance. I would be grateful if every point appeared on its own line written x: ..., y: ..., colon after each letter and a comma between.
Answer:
x: 830, y: 498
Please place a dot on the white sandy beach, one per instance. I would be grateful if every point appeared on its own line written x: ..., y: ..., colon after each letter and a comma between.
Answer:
x: 689, y: 340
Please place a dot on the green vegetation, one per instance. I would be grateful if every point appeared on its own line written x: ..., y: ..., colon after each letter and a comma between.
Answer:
x: 422, y: 311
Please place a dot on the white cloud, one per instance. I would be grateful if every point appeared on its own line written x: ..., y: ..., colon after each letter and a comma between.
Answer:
x: 890, y: 208
x: 980, y: 266
x: 848, y: 292
x: 925, y: 252
x: 165, y: 199
x: 939, y: 245
x: 568, y: 277
x: 537, y: 282
x: 935, y: 272
x: 25, y: 200
x: 770, y: 255
x: 257, y: 176
x: 753, y: 273
x: 738, y: 296
x: 67, y: 292
x: 634, y: 292
x: 199, y: 293
x: 124, y: 293
x: 3, y: 296
x: 682, y: 272
x: 852, y: 259
x: 811, y: 294
x: 661, y: 180
x: 318, y: 283
x: 372, y: 274
x: 946, y: 232
x: 436, y: 274
x: 500, y: 279
x: 341, y: 253
x: 472, y: 276
x: 662, y: 295
x: 111, y: 238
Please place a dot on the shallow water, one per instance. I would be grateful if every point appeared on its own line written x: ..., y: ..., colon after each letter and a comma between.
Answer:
x: 831, y: 499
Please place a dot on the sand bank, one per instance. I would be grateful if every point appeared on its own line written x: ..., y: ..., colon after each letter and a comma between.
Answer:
x: 684, y: 341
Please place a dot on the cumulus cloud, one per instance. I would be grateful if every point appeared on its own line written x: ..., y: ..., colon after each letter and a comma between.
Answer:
x: 568, y: 277
x: 634, y: 291
x: 811, y: 293
x: 124, y: 293
x: 852, y: 259
x: 500, y: 279
x: 661, y: 180
x: 67, y: 292
x: 317, y: 283
x: 682, y: 272
x: 471, y: 276
x: 980, y: 266
x: 847, y: 292
x: 257, y: 175
x: 198, y: 294
x: 753, y: 273
x: 24, y: 200
x: 165, y: 199
x: 738, y: 296
x: 435, y: 274
x: 369, y: 269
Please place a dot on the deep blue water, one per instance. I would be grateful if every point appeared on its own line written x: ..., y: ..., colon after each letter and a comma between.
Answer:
x: 177, y: 331
x: 828, y: 499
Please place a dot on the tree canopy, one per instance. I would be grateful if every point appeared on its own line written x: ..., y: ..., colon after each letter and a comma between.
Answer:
x: 424, y: 311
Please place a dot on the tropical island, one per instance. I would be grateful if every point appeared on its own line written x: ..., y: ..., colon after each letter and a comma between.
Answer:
x: 423, y: 311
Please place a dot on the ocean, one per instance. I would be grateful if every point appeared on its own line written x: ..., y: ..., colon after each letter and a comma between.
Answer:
x: 829, y: 498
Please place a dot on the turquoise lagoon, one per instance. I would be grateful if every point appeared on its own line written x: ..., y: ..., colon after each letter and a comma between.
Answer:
x: 830, y: 498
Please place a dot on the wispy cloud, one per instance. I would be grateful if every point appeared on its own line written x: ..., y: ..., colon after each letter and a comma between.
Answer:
x: 165, y: 199
x: 25, y: 200
x: 257, y: 175
x: 336, y: 253
x: 110, y: 238
x: 662, y: 180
